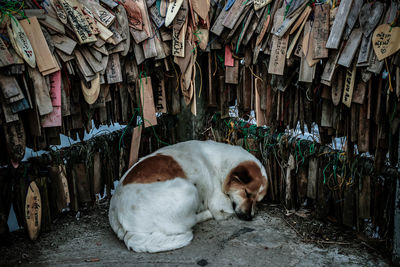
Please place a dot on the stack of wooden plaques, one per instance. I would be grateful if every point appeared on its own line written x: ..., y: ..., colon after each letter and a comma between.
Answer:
x: 336, y: 64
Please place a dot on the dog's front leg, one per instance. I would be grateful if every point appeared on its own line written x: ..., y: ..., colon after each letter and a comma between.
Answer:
x: 203, y: 216
x: 220, y: 207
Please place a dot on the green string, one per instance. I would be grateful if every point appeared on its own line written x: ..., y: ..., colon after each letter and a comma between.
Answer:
x: 299, y: 148
x: 140, y: 110
x: 312, y: 148
x: 325, y: 170
x: 123, y: 133
x: 287, y: 8
x: 8, y: 8
x: 240, y: 35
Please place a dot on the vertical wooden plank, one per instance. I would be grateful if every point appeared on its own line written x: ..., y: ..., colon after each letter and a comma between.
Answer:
x: 42, y: 92
x: 44, y: 59
x: 364, y: 129
x: 260, y: 115
x: 82, y: 183
x: 350, y: 49
x: 147, y: 100
x: 349, y: 86
x: 330, y: 66
x: 321, y: 31
x: 232, y: 73
x: 335, y: 35
x: 279, y: 48
x: 135, y: 144
x: 113, y: 71
x: 353, y: 17
x: 247, y: 79
x: 212, y: 101
x: 365, y: 48
x: 312, y: 178
x: 365, y: 198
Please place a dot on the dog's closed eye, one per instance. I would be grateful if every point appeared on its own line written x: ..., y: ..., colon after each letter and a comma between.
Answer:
x: 248, y: 195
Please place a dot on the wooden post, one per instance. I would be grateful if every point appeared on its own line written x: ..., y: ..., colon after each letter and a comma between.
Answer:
x: 396, y: 234
x: 190, y: 127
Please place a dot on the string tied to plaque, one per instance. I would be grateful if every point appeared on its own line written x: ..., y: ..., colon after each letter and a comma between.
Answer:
x: 10, y: 8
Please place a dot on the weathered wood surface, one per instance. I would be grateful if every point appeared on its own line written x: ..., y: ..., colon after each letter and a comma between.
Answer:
x: 321, y: 31
x: 337, y: 29
x: 349, y: 86
x: 234, y: 14
x: 349, y: 51
x: 279, y: 48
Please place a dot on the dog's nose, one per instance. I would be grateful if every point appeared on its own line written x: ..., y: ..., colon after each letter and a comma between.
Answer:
x: 245, y: 216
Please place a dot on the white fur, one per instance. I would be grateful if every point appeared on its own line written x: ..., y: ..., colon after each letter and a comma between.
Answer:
x: 160, y: 216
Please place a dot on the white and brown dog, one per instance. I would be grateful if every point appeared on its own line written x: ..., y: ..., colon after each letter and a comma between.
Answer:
x: 160, y: 198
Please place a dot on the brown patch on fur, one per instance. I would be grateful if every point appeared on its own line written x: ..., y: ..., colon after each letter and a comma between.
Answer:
x: 155, y: 169
x: 247, y: 175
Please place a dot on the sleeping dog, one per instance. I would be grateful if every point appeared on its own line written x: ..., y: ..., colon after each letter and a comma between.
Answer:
x: 161, y: 197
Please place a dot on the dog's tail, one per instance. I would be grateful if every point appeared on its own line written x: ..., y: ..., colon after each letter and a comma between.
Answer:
x: 156, y: 241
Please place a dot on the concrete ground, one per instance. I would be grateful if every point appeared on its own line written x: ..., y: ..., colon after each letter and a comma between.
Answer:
x: 87, y: 240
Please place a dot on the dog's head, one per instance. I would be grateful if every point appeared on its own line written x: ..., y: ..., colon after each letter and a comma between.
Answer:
x: 245, y: 185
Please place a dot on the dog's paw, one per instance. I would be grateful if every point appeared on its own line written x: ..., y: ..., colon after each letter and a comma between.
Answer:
x: 222, y: 214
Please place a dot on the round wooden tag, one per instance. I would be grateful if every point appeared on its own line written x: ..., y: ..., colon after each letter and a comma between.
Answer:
x: 33, y: 211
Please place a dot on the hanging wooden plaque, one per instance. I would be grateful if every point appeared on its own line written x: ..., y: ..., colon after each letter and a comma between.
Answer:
x: 349, y: 86
x: 337, y: 29
x: 232, y: 73
x: 42, y: 92
x: 78, y: 21
x: 33, y: 211
x: 258, y: 4
x: 6, y: 58
x: 181, y: 17
x: 147, y: 101
x: 135, y: 144
x: 294, y: 40
x: 321, y: 31
x: 365, y: 48
x: 337, y: 88
x: 161, y: 98
x: 370, y: 15
x: 349, y: 51
x: 279, y: 48
x: 234, y: 14
x: 173, y: 8
x: 386, y: 41
x: 22, y: 43
x: 178, y: 42
x: 61, y: 14
x: 201, y: 8
x: 113, y: 71
x: 217, y: 27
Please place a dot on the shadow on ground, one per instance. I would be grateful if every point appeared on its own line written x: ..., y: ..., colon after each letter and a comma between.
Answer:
x: 269, y: 240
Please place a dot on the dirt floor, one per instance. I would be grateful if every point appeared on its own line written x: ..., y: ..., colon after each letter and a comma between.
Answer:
x: 273, y: 238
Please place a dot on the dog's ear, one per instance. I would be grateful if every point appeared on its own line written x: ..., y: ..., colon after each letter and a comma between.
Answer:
x: 263, y: 189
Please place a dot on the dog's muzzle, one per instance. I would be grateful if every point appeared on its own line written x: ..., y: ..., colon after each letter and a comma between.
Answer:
x: 244, y: 216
